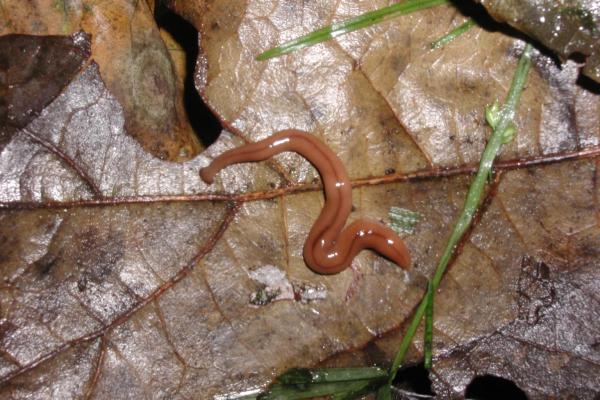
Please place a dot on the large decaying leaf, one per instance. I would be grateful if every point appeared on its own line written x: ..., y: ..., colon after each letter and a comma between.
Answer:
x: 133, y: 60
x: 126, y: 277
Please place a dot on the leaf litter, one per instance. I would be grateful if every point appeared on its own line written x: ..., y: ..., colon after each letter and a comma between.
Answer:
x: 144, y: 281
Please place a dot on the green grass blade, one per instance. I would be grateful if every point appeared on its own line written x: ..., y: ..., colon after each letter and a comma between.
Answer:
x: 406, y: 341
x: 384, y: 392
x: 428, y: 337
x: 298, y: 392
x: 322, y: 375
x: 350, y: 25
x: 453, y: 34
x: 361, y: 392
x: 474, y: 195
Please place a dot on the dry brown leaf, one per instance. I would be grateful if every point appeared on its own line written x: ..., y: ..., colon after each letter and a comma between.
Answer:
x: 133, y: 60
x: 126, y: 276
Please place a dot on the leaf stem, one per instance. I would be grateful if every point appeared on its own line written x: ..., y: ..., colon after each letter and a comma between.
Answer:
x: 502, y: 125
x: 362, y: 21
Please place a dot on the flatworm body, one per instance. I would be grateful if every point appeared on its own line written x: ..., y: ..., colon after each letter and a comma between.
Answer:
x: 329, y: 248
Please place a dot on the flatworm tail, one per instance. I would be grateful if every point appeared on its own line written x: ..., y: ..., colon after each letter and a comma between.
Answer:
x: 329, y: 247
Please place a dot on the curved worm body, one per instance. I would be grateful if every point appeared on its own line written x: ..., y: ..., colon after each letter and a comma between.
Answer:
x: 329, y: 247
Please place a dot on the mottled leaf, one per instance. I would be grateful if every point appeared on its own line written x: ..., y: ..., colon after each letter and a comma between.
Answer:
x: 133, y: 60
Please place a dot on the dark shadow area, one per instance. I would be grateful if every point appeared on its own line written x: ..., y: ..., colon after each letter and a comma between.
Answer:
x: 413, y: 379
x: 588, y: 83
x: 480, y: 15
x: 583, y: 81
x: 204, y: 123
x: 489, y: 387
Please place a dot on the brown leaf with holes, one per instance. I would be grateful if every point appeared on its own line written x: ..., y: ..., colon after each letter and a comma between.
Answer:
x: 133, y: 60
x: 125, y: 276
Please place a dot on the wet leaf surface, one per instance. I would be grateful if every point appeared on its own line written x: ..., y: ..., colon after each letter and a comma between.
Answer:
x: 569, y: 28
x: 126, y: 276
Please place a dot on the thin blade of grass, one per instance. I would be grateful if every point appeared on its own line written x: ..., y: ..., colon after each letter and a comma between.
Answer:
x: 322, y: 375
x: 453, y: 34
x: 360, y: 393
x: 384, y: 392
x: 349, y: 25
x: 428, y: 336
x: 474, y: 196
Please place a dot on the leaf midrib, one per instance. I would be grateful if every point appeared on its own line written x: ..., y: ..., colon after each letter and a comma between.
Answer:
x: 420, y: 175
